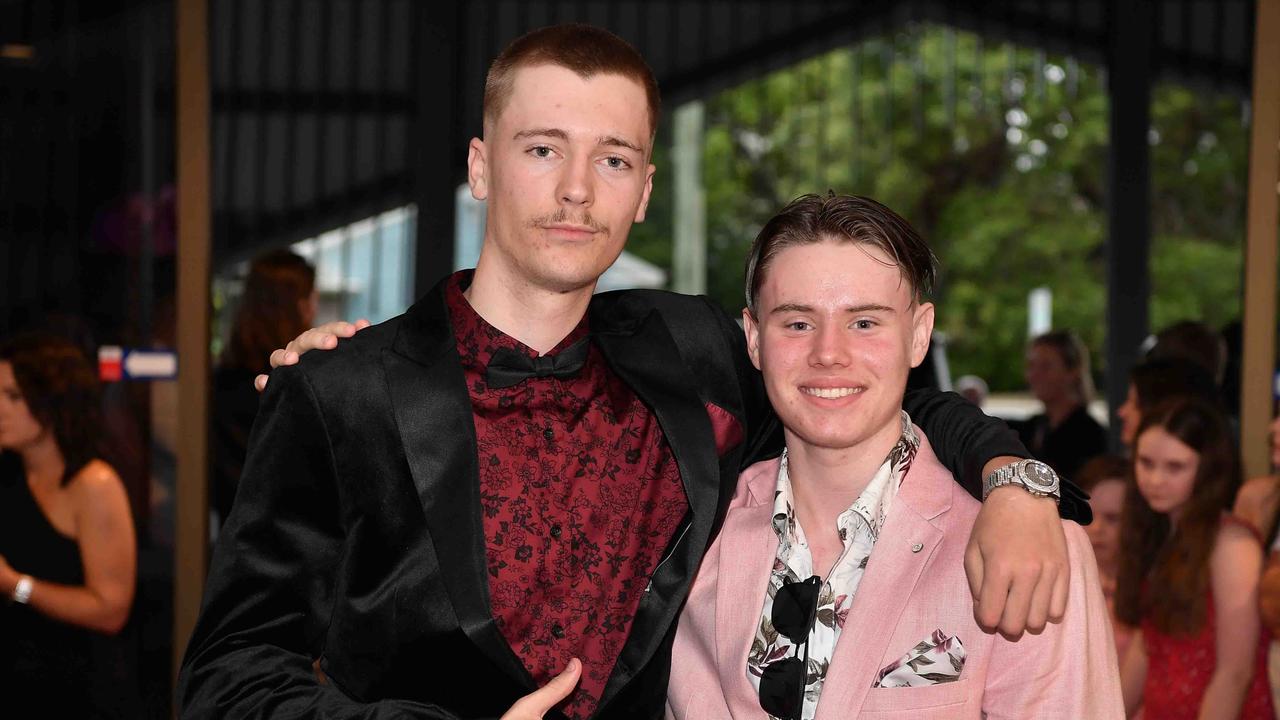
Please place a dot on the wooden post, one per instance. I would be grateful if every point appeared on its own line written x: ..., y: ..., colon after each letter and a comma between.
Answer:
x: 1257, y: 375
x: 192, y: 497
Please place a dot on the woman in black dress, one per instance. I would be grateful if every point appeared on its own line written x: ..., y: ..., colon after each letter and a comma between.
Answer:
x: 68, y: 556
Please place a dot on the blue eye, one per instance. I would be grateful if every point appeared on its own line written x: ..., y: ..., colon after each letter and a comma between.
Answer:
x: 541, y: 151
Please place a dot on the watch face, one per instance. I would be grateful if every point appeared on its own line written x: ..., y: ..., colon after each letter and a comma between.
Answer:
x: 1040, y: 475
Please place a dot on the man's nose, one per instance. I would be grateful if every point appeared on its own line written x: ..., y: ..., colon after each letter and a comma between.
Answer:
x: 576, y: 186
x: 829, y: 347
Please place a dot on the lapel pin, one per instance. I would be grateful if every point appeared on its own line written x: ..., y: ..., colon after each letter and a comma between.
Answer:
x: 917, y: 547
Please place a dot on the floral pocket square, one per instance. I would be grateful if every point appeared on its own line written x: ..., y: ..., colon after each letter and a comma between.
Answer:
x: 936, y: 659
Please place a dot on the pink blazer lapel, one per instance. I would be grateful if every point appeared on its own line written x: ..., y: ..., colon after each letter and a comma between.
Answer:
x: 891, y: 577
x: 748, y: 545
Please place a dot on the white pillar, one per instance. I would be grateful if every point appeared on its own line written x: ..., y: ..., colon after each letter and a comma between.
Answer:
x: 689, y: 231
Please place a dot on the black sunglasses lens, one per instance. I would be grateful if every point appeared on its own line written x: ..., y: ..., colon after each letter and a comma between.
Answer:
x: 780, y: 688
x: 794, y: 607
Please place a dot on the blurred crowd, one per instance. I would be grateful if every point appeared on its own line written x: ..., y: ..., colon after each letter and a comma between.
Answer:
x: 1186, y: 548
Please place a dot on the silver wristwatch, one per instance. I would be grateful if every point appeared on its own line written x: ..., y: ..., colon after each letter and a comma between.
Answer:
x: 1033, y: 475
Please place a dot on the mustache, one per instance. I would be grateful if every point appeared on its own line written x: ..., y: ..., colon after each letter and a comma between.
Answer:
x: 562, y: 216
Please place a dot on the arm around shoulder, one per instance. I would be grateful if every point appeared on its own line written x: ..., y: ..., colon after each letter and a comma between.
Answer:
x: 963, y: 437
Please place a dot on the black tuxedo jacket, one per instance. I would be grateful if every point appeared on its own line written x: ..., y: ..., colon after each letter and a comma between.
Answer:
x: 350, y: 579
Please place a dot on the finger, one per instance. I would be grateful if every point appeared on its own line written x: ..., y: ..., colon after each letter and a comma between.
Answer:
x: 992, y: 596
x: 973, y: 568
x: 361, y: 324
x: 336, y: 327
x: 323, y: 338
x: 260, y: 382
x: 278, y: 358
x: 1058, y: 601
x: 1041, y: 597
x: 538, y: 702
x: 1017, y: 604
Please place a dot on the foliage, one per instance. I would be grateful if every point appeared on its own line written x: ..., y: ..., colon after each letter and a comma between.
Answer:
x: 998, y: 155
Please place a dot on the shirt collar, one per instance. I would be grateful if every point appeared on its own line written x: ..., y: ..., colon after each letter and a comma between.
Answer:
x: 871, y: 507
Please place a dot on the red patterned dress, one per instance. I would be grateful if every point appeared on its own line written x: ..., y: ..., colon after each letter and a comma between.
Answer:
x: 1179, y: 668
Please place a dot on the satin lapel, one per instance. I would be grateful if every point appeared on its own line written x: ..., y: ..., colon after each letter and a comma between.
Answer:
x: 891, y: 577
x: 433, y: 414
x: 748, y: 546
x: 644, y: 355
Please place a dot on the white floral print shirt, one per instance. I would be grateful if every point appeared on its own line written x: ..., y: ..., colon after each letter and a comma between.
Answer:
x: 859, y: 527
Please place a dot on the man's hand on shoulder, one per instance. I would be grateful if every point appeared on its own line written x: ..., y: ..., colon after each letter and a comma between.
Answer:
x: 324, y: 337
x: 1017, y: 562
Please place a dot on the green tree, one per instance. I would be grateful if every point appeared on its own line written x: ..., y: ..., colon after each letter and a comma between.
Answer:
x: 998, y: 155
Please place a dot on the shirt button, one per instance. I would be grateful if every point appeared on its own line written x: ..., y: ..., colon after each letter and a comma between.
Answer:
x: 555, y: 531
x: 558, y: 631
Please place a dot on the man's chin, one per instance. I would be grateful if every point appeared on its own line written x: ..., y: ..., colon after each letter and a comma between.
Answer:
x: 567, y: 280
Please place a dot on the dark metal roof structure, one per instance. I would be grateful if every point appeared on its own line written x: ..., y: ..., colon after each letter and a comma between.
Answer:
x: 328, y: 111
x: 317, y: 103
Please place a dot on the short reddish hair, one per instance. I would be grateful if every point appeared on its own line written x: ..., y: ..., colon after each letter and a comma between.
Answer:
x: 585, y: 49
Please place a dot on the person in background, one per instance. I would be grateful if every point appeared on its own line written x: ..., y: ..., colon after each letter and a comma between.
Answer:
x: 1159, y: 380
x: 972, y: 388
x: 1065, y: 436
x: 1257, y: 503
x: 1194, y: 342
x: 1189, y: 574
x: 279, y: 301
x: 1259, y: 498
x: 1104, y: 478
x: 68, y: 553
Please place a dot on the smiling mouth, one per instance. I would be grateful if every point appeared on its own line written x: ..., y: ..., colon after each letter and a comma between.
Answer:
x: 831, y: 393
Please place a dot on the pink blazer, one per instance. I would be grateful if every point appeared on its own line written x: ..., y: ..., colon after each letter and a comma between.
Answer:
x: 1067, y: 671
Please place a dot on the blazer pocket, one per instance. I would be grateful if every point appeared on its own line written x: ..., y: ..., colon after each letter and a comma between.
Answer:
x: 917, y: 698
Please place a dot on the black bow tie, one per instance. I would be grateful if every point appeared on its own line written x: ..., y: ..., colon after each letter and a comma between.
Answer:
x: 509, y: 367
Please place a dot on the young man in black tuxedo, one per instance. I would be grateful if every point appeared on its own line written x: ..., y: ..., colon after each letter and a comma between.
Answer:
x: 516, y: 477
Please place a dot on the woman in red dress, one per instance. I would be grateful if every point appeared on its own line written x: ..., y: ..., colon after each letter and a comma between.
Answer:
x: 1189, y: 575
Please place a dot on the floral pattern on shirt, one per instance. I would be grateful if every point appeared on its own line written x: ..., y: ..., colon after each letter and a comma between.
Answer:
x: 859, y: 527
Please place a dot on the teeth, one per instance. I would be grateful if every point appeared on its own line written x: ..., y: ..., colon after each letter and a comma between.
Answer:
x: 831, y: 393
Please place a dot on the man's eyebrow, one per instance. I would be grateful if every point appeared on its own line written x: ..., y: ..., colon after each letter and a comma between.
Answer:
x: 556, y: 133
x: 866, y: 307
x: 615, y: 141
x: 791, y: 307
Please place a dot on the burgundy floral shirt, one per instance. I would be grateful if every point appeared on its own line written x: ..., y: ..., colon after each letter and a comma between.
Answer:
x: 581, y: 496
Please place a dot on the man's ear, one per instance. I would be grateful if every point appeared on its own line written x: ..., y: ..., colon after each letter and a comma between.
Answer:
x: 648, y: 190
x: 753, y: 336
x: 921, y: 332
x: 477, y: 165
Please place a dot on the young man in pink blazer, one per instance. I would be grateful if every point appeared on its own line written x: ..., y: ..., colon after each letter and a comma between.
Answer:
x: 836, y: 588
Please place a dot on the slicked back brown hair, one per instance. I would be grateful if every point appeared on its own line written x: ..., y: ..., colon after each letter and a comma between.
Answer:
x: 584, y: 49
x: 812, y: 219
